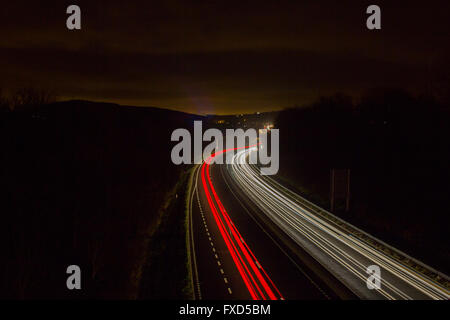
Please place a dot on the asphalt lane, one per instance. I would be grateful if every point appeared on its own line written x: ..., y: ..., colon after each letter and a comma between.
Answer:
x: 217, y: 273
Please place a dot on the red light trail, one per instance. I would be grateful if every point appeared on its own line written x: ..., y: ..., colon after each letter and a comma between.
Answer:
x: 259, y: 285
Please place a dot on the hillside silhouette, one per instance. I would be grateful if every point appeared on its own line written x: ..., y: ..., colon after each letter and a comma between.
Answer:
x: 81, y: 183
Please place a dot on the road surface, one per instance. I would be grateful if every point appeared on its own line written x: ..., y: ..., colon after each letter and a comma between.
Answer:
x: 254, y: 239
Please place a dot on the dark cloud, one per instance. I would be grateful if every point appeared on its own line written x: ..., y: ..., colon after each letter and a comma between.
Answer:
x: 208, y: 56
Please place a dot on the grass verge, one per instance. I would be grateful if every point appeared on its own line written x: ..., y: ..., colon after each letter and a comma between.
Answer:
x: 164, y: 273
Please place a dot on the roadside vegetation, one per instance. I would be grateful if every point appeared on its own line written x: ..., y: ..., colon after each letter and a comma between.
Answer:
x: 165, y: 272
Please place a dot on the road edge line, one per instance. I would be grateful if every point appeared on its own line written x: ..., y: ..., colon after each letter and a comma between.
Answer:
x: 190, y: 245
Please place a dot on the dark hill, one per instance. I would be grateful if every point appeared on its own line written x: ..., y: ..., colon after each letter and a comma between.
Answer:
x: 81, y: 183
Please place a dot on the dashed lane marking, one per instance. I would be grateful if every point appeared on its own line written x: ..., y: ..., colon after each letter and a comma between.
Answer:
x: 225, y: 279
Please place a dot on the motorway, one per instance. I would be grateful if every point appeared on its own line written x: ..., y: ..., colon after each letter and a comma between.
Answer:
x: 254, y: 239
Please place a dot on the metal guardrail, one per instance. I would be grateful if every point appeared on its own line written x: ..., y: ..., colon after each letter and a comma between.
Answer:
x: 432, y: 274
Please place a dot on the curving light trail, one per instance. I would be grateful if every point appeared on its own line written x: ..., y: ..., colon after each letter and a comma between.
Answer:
x: 343, y: 254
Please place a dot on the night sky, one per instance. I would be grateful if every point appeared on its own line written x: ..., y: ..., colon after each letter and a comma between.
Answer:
x: 221, y: 57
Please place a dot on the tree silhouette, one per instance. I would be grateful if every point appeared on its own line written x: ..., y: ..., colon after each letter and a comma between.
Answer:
x: 31, y: 97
